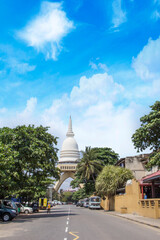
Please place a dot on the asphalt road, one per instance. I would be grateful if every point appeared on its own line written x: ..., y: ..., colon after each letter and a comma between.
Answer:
x: 70, y: 222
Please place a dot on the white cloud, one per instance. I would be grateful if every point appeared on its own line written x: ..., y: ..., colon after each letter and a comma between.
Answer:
x: 146, y: 64
x: 107, y: 125
x: 20, y: 67
x: 99, y: 119
x: 156, y: 15
x: 99, y: 87
x: 103, y: 66
x: 98, y: 66
x: 119, y: 15
x: 46, y: 31
x: 3, y: 110
x: 29, y: 110
x: 157, y: 2
x: 93, y: 65
x: 12, y: 118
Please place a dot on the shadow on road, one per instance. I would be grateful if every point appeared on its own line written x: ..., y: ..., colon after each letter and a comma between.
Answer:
x: 30, y: 217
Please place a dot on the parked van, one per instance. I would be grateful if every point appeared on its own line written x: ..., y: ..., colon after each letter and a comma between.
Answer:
x: 86, y: 203
x: 43, y: 202
x: 8, y: 210
x: 94, y: 202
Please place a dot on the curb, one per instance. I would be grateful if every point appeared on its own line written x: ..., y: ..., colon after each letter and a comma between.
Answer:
x: 134, y: 220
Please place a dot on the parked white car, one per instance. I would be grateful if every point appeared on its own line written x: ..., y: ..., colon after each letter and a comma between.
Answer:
x: 24, y: 209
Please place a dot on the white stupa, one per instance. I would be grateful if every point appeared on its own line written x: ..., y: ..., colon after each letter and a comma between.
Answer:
x: 69, y: 157
x: 69, y: 152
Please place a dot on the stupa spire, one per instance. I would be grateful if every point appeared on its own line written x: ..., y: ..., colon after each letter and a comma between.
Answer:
x: 70, y: 132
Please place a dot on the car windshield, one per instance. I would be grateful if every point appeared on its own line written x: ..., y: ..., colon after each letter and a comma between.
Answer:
x: 95, y: 199
x: 9, y: 204
x: 13, y: 205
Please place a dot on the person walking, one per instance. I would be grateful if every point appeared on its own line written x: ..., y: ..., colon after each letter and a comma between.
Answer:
x: 48, y: 208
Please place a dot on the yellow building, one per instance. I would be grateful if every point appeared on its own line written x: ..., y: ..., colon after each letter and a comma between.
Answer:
x: 132, y: 201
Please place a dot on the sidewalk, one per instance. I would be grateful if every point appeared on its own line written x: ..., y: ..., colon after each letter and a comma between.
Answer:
x: 136, y: 218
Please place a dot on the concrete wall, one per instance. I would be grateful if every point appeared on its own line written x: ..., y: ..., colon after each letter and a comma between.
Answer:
x: 129, y: 201
x: 136, y: 166
x: 108, y: 204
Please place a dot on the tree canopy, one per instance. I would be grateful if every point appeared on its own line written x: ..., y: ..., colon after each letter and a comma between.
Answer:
x: 79, y: 194
x: 67, y: 197
x: 110, y: 179
x: 105, y: 155
x: 91, y: 164
x: 148, y: 135
x: 28, y: 158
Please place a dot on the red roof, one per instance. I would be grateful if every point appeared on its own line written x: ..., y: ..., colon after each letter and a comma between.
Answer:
x: 151, y: 177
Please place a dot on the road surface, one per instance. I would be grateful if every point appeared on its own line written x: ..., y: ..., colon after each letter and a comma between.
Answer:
x: 68, y: 222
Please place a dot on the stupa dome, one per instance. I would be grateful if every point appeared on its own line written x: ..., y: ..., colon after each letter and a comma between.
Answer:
x: 69, y: 144
x: 69, y: 152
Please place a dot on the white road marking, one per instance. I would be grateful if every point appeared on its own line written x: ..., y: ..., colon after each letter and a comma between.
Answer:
x: 66, y: 230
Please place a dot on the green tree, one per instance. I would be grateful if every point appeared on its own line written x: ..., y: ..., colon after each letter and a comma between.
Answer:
x: 55, y: 195
x: 33, y: 161
x: 67, y: 197
x: 110, y: 179
x: 148, y: 135
x: 105, y: 155
x: 8, y: 175
x: 79, y: 194
x: 89, y: 167
x: 87, y: 170
x: 96, y: 159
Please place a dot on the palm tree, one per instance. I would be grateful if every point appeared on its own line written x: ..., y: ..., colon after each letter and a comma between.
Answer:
x: 89, y: 167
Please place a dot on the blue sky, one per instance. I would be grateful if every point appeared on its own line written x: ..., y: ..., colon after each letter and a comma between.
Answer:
x: 97, y: 61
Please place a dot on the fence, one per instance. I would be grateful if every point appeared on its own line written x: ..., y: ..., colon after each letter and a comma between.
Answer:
x: 150, y: 207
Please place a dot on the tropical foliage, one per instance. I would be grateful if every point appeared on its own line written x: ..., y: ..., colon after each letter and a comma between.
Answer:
x: 105, y: 155
x: 93, y: 161
x: 79, y: 194
x: 89, y: 167
x: 110, y: 179
x: 148, y: 135
x: 67, y: 197
x: 28, y: 160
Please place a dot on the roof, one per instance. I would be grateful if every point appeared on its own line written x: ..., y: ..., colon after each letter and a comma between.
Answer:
x: 151, y: 177
x: 120, y: 161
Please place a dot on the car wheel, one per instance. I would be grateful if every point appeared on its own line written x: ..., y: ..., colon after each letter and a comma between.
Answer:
x: 26, y: 211
x: 6, y: 217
